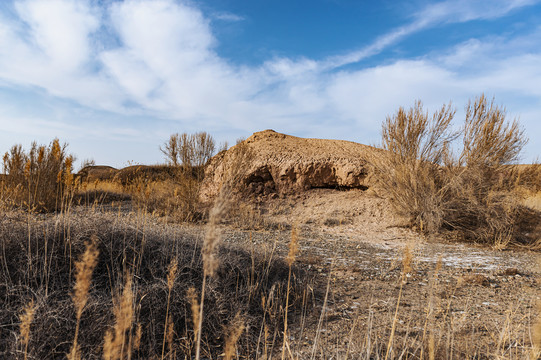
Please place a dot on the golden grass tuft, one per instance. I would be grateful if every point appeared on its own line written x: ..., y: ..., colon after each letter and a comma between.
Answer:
x: 194, y: 306
x: 84, y: 269
x: 407, y: 261
x: 234, y: 331
x: 26, y: 318
x: 116, y: 345
x: 137, y: 338
x: 168, y: 333
x: 293, y: 247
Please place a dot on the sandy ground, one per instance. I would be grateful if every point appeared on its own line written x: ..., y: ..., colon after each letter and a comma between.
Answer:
x: 474, y: 301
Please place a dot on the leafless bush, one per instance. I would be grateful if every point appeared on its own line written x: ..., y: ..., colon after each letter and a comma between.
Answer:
x: 39, y: 179
x: 188, y: 154
x: 470, y: 193
x: 409, y: 171
x: 191, y: 150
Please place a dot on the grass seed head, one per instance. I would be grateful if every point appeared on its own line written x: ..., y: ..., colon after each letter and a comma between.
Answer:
x: 192, y: 298
x: 235, y: 330
x: 407, y: 260
x: 172, y: 274
x: 84, y: 268
x: 26, y: 318
x: 293, y: 246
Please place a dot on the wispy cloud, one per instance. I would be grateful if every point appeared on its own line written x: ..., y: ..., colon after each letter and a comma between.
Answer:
x: 445, y: 12
x: 227, y: 16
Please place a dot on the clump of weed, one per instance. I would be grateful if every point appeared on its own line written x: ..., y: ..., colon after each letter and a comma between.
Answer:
x: 39, y: 179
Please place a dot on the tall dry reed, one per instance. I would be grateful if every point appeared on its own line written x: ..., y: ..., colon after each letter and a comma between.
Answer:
x: 234, y: 332
x: 168, y: 333
x: 116, y: 344
x: 83, y: 278
x: 241, y: 161
x: 38, y: 179
x: 26, y: 319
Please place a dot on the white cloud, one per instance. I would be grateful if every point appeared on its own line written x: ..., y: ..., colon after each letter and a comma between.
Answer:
x: 59, y: 30
x: 451, y: 11
x: 163, y: 64
x: 227, y: 16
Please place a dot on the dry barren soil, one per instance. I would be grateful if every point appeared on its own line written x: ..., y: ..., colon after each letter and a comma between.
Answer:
x: 472, y: 300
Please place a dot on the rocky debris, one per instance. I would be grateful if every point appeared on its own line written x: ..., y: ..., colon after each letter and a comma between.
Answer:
x: 284, y: 164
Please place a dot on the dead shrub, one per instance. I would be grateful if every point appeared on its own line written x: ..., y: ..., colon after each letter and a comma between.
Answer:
x: 187, y: 155
x: 190, y: 151
x: 470, y: 192
x: 409, y: 170
x: 40, y: 179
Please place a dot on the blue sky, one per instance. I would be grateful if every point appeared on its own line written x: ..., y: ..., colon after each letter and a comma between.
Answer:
x: 115, y: 78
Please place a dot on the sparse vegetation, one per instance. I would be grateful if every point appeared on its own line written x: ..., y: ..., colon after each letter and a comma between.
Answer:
x: 116, y: 277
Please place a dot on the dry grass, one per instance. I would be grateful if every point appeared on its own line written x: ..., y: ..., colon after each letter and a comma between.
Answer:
x: 84, y: 268
x: 149, y: 302
x: 100, y: 192
x: 164, y: 191
x: 39, y: 179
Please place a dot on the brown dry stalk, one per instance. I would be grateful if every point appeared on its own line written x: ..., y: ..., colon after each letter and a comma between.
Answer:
x: 406, y: 269
x: 138, y: 335
x: 171, y: 276
x: 212, y: 237
x: 429, y: 319
x: 170, y: 333
x: 192, y: 298
x: 431, y: 347
x: 293, y: 250
x: 234, y: 332
x: 293, y: 246
x: 114, y: 346
x: 536, y: 331
x: 26, y: 318
x: 84, y: 269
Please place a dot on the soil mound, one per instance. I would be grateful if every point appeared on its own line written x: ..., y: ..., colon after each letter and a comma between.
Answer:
x: 97, y: 173
x: 146, y: 173
x: 284, y: 164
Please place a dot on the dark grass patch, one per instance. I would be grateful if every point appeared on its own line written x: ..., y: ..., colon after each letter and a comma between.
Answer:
x: 39, y: 265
